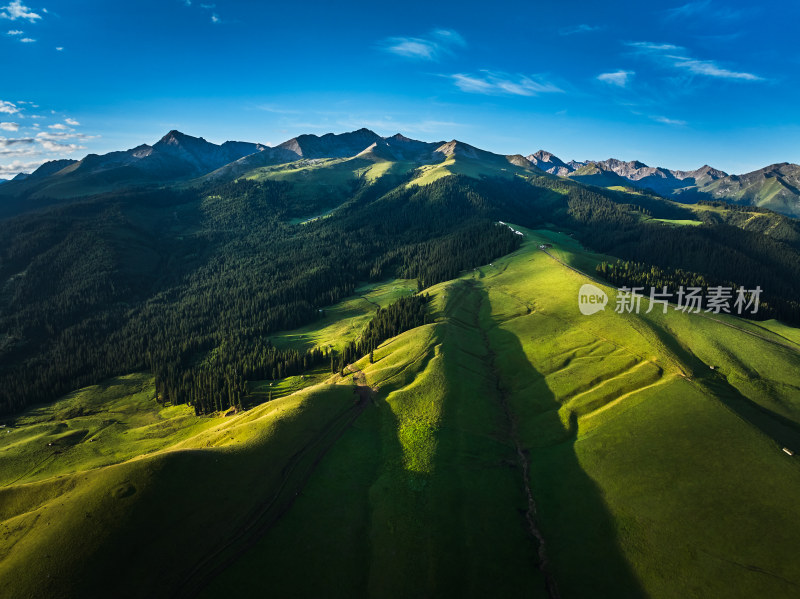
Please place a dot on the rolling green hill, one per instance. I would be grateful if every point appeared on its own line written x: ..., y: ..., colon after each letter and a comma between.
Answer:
x: 510, y: 445
x: 204, y: 391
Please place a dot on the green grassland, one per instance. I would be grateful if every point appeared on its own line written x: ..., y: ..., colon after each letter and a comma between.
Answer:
x: 141, y: 527
x: 679, y: 222
x: 343, y: 322
x: 463, y: 165
x: 649, y: 473
x: 96, y: 426
x: 330, y: 181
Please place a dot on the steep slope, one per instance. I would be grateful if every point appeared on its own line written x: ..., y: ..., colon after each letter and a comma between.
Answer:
x: 550, y: 163
x: 776, y: 187
x: 331, y: 145
x: 511, y: 446
x: 174, y: 157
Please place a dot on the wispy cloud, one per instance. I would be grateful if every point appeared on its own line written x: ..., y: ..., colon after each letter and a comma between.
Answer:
x: 712, y: 11
x: 62, y: 136
x: 15, y: 32
x: 16, y: 10
x: 617, y: 78
x: 9, y: 170
x: 711, y: 69
x: 435, y: 46
x: 678, y: 58
x: 27, y: 40
x: 582, y: 28
x: 8, y: 107
x: 690, y: 9
x: 60, y: 148
x: 492, y: 83
x: 653, y: 47
x: 667, y: 121
x: 215, y: 18
x: 21, y: 141
x: 17, y: 146
x: 57, y: 135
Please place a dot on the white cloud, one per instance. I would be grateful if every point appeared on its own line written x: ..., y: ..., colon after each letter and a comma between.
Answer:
x: 666, y: 121
x: 7, y: 143
x: 17, y: 147
x: 436, y: 45
x: 215, y: 18
x: 61, y: 136
x: 490, y: 83
x: 583, y: 28
x: 72, y: 122
x: 59, y: 126
x: 61, y: 148
x: 653, y: 47
x: 16, y: 10
x: 689, y: 9
x: 711, y: 69
x: 8, y: 107
x: 15, y: 32
x: 679, y: 58
x: 59, y: 48
x: 27, y: 40
x: 6, y: 126
x: 618, y: 78
x: 11, y: 170
x: 709, y: 10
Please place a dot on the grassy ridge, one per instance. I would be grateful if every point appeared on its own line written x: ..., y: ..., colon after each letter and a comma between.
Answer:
x: 158, y: 515
x: 650, y: 473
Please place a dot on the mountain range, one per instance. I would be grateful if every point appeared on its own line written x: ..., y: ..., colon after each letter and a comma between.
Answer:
x: 178, y: 157
x: 354, y: 365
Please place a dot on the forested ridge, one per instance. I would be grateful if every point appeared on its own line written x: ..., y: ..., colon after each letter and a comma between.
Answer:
x: 191, y: 286
x: 191, y: 283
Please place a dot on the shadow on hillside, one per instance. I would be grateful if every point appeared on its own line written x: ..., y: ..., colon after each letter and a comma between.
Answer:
x: 580, y: 537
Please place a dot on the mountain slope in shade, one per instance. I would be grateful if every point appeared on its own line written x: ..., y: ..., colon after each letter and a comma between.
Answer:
x: 331, y: 145
x: 174, y: 157
x: 178, y: 157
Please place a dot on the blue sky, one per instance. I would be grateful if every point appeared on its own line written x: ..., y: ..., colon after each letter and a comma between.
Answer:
x: 675, y: 84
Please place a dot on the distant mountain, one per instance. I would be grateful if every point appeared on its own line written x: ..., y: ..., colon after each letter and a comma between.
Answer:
x: 550, y: 163
x: 47, y: 169
x: 330, y: 145
x: 178, y: 157
x: 776, y: 187
x: 175, y: 157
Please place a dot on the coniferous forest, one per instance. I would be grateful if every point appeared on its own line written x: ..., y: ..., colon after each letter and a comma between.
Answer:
x: 189, y: 284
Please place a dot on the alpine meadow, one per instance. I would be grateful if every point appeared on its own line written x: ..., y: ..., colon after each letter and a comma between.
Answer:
x: 364, y: 363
